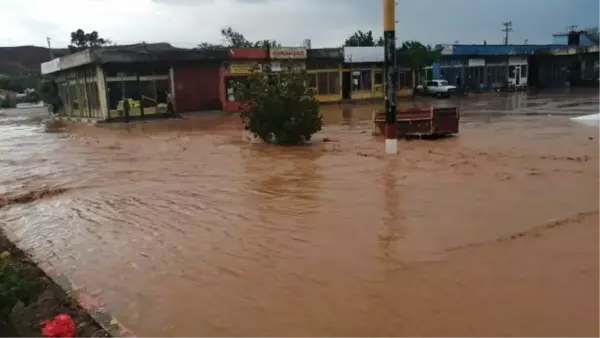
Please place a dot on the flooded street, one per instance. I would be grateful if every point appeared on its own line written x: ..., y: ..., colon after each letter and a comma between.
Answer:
x: 187, y: 227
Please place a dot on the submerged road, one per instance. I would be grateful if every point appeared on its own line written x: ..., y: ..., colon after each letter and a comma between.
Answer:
x: 190, y: 228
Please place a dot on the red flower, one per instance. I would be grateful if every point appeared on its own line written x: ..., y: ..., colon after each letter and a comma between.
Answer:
x: 61, y: 326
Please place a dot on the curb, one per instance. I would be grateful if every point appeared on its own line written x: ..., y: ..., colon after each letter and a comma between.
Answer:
x: 91, y: 304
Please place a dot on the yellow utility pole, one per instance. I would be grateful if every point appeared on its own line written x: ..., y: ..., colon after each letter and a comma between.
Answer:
x: 389, y: 65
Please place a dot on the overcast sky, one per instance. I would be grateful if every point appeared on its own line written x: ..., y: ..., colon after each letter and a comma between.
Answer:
x: 186, y: 23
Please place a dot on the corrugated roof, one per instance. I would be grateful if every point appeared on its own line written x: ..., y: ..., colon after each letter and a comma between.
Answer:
x: 499, y: 49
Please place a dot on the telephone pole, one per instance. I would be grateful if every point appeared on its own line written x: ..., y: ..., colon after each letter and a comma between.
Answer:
x: 389, y: 66
x: 50, y: 48
x: 507, y: 29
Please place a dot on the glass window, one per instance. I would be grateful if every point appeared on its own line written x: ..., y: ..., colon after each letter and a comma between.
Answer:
x: 231, y: 83
x: 431, y: 84
x: 312, y: 80
x: 334, y: 83
x: 361, y: 80
x: 365, y: 80
x: 511, y: 71
x: 524, y: 70
x: 322, y: 82
x: 378, y: 77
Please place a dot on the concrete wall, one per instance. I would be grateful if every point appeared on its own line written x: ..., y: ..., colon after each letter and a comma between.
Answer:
x: 197, y: 87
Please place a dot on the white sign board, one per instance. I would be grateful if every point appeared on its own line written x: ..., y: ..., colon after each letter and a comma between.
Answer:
x: 50, y: 66
x: 476, y: 62
x: 517, y: 60
x: 363, y: 54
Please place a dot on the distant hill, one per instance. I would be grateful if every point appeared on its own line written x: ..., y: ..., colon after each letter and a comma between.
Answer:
x: 24, y: 60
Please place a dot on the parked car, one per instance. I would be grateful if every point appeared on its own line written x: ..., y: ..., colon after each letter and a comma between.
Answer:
x: 439, y: 88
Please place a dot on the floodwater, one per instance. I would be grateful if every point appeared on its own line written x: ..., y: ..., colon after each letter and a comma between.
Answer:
x: 191, y: 228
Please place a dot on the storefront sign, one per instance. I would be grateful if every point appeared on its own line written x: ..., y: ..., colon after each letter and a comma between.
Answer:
x: 241, y: 68
x: 363, y: 54
x: 51, y: 66
x: 476, y: 62
x: 288, y: 53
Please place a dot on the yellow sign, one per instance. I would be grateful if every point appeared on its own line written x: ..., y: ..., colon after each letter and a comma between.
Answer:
x: 240, y: 68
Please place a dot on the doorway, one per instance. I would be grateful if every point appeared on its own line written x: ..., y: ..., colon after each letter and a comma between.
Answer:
x: 514, y: 75
x: 346, y: 86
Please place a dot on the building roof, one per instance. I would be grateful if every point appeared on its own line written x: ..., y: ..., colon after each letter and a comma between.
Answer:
x: 494, y: 49
x: 586, y: 33
x: 141, y: 52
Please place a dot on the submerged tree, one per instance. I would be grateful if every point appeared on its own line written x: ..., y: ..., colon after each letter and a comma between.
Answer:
x: 363, y: 39
x: 81, y: 40
x: 279, y: 108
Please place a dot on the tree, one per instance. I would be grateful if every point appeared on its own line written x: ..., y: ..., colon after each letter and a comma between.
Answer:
x: 362, y: 39
x: 48, y: 92
x: 417, y: 56
x: 279, y: 108
x: 81, y: 40
x: 237, y: 40
x: 18, y: 83
x: 267, y: 44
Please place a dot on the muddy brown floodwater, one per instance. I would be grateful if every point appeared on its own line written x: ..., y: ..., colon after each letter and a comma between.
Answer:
x: 189, y: 228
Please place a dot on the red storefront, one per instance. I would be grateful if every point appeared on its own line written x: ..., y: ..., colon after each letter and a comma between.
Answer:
x: 239, y: 65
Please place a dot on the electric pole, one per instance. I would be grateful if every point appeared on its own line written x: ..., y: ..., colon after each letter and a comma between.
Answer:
x: 50, y: 49
x: 389, y: 66
x: 507, y: 29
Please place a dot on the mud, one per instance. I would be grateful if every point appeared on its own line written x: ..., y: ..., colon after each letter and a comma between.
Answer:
x: 31, y: 196
x: 193, y: 228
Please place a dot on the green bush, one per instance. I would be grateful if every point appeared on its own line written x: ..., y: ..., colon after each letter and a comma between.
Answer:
x: 15, y: 286
x: 279, y: 108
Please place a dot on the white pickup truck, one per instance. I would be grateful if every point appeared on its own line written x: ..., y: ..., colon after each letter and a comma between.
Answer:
x: 439, y: 88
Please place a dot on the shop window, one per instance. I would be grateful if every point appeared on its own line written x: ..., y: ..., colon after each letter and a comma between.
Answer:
x: 523, y: 70
x: 378, y: 84
x: 378, y: 77
x: 361, y: 80
x: 312, y: 83
x: 334, y: 83
x: 322, y: 84
x: 231, y: 83
x: 511, y: 71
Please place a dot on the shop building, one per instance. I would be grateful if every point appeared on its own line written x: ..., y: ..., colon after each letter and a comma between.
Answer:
x: 94, y: 83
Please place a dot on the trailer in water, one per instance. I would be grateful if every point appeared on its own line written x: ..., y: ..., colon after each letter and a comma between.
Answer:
x: 422, y: 121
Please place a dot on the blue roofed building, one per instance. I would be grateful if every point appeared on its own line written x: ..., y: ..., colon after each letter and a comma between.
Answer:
x: 485, y: 67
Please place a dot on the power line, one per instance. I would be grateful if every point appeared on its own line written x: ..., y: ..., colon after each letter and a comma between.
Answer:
x: 507, y: 29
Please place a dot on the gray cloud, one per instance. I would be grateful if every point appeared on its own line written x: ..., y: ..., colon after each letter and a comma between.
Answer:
x: 187, y: 23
